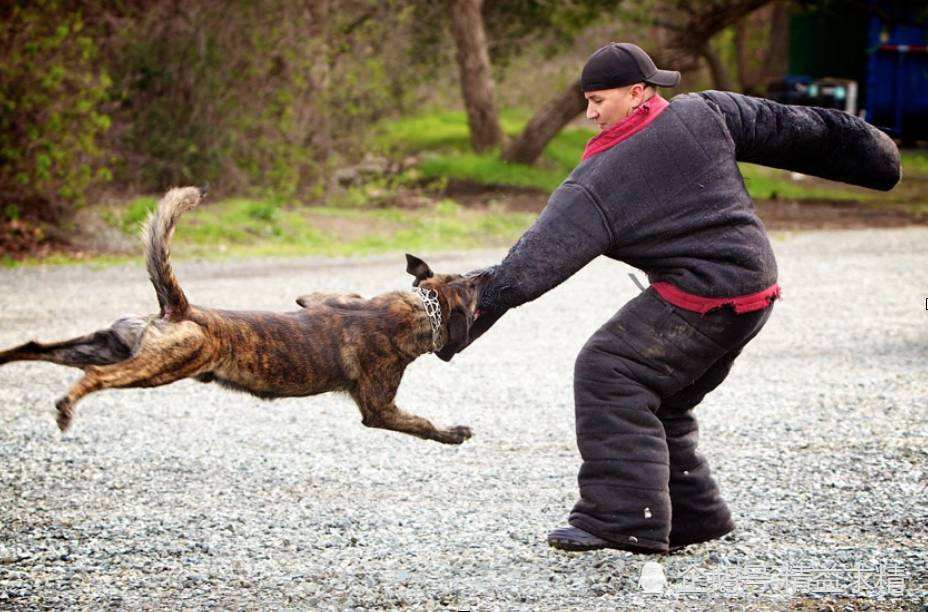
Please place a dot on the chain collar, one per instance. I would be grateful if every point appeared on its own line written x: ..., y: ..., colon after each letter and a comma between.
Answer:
x: 432, y: 307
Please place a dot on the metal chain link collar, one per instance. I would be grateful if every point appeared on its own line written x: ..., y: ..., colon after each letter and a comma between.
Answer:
x: 432, y: 307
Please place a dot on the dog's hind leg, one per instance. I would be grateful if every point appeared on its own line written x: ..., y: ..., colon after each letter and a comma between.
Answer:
x: 375, y: 399
x: 103, y: 347
x: 162, y: 358
x: 99, y: 348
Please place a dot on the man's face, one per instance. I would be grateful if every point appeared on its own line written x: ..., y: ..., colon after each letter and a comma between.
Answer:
x: 609, y: 106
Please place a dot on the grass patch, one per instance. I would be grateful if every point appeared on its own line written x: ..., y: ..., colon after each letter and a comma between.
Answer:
x: 436, y: 131
x: 337, y: 232
x: 489, y: 169
x: 241, y: 227
x: 772, y: 184
x: 443, y: 141
x: 136, y: 212
x: 915, y: 163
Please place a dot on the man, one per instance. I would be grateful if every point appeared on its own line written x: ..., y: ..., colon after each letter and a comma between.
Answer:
x: 659, y: 188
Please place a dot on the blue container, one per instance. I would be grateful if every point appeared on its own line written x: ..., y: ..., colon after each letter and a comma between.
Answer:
x: 897, y: 75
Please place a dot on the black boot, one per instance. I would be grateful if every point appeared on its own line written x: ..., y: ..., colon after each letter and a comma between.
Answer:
x: 575, y: 539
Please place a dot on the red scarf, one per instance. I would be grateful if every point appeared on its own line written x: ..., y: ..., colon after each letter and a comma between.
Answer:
x: 634, y: 123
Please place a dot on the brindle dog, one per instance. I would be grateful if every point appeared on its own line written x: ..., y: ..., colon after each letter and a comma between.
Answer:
x: 335, y: 342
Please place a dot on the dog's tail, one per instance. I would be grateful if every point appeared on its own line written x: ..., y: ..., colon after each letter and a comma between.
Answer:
x: 157, y: 238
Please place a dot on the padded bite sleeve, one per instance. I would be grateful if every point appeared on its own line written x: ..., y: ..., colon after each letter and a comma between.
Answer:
x: 821, y: 142
x: 569, y: 233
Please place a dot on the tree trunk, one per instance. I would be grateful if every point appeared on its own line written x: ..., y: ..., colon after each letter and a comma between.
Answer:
x: 769, y: 24
x: 320, y: 79
x: 742, y: 60
x: 776, y: 61
x: 476, y: 78
x: 717, y: 68
x: 694, y: 26
x: 545, y: 124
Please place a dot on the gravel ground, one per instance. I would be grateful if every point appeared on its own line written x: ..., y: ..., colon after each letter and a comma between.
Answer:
x: 194, y: 496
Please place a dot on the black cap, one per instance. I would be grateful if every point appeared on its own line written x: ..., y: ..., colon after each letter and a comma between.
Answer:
x: 621, y: 64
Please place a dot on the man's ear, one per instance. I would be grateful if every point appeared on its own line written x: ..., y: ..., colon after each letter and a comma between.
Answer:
x: 417, y: 268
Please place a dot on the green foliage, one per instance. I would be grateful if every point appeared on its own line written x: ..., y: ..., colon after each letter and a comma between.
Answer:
x: 557, y: 22
x: 254, y: 97
x: 52, y: 93
x: 509, y: 26
x: 213, y: 94
x: 443, y: 143
x: 262, y: 97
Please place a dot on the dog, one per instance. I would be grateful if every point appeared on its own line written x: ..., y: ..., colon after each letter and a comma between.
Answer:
x: 334, y: 342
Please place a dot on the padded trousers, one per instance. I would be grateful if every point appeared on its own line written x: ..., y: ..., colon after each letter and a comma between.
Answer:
x: 636, y: 383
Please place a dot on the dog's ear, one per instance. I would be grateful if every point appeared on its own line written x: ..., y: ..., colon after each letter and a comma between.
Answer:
x: 417, y: 268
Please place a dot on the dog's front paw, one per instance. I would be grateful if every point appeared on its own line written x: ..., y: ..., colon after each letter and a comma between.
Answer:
x: 65, y: 413
x: 458, y: 434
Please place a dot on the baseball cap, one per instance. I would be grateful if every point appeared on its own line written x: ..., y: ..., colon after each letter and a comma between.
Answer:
x: 621, y: 64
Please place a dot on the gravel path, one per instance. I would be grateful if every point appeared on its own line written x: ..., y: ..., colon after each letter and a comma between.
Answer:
x: 193, y: 496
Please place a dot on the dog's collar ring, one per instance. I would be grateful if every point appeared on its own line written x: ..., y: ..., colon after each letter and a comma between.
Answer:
x: 432, y: 307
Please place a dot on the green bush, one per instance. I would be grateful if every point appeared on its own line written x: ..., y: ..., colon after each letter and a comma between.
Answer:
x: 52, y: 92
x: 263, y: 98
x: 255, y: 98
